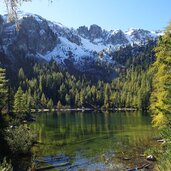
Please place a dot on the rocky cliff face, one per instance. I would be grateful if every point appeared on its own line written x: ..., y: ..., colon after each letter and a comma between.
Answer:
x: 1, y: 27
x: 84, y: 49
x: 1, y: 22
x: 95, y: 32
x: 83, y: 31
x: 117, y: 38
x: 34, y: 37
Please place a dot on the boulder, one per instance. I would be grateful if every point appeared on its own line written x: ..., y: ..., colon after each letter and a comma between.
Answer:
x: 151, y: 158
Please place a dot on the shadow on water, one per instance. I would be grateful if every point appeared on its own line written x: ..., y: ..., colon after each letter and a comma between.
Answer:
x: 87, y: 138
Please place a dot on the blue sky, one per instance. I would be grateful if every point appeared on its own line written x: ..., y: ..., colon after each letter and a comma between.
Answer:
x: 109, y: 14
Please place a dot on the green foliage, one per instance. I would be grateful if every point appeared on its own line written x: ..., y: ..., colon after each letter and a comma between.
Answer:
x: 68, y: 99
x: 3, y: 90
x: 59, y: 105
x: 141, y: 55
x: 20, y: 102
x: 21, y: 75
x: 131, y: 90
x: 160, y: 120
x: 19, y: 139
x: 6, y: 166
x: 161, y: 94
x: 43, y: 100
x: 50, y: 104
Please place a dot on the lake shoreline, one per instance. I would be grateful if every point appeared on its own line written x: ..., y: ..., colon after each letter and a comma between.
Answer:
x: 83, y: 109
x: 93, y: 140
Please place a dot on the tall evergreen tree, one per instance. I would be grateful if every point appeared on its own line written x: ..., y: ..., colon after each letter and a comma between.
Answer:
x: 20, y: 102
x: 59, y: 105
x: 50, y: 104
x: 3, y: 90
x: 161, y: 94
x: 21, y: 74
x: 43, y: 100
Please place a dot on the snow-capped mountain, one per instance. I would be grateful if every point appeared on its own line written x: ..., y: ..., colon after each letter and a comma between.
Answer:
x: 82, y: 48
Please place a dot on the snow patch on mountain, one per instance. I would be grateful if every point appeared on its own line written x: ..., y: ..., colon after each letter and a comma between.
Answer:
x: 66, y: 50
x: 86, y: 44
x: 77, y: 45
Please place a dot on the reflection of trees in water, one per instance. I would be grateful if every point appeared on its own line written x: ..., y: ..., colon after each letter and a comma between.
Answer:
x: 91, y: 132
x: 64, y: 128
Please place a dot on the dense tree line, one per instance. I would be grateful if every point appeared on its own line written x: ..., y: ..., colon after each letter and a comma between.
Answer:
x: 161, y: 96
x: 135, y: 55
x: 48, y: 87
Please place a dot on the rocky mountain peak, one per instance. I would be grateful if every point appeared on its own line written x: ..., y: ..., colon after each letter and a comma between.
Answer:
x: 33, y: 37
x: 36, y: 35
x: 95, y: 32
x: 83, y: 31
x: 78, y: 49
x: 117, y: 37
x: 140, y: 34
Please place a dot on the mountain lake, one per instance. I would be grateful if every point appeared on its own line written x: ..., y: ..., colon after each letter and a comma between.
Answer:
x: 92, y: 140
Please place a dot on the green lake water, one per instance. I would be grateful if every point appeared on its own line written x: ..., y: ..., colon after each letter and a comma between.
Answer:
x: 90, y: 139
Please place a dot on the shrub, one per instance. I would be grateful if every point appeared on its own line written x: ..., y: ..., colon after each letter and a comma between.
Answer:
x: 19, y: 139
x: 6, y: 166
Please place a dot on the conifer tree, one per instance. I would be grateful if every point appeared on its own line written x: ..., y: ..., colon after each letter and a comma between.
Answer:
x: 67, y: 99
x: 50, y: 104
x: 59, y: 105
x: 43, y: 100
x: 24, y: 102
x: 20, y: 102
x: 161, y: 94
x: 82, y: 97
x: 107, y: 96
x: 21, y: 74
x: 28, y: 100
x: 3, y: 90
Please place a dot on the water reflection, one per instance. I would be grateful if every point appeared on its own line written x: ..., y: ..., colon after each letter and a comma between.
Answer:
x: 89, y: 132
